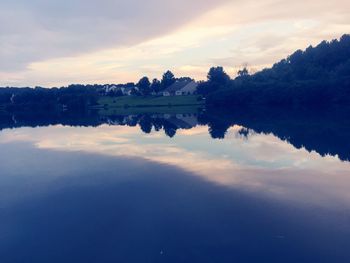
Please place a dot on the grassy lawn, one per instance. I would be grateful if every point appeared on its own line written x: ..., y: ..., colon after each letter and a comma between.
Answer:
x: 150, y: 110
x: 140, y: 105
x: 131, y: 101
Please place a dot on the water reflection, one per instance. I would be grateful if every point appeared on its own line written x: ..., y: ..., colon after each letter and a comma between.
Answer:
x: 125, y: 189
x: 324, y: 132
x: 261, y: 162
x: 62, y: 206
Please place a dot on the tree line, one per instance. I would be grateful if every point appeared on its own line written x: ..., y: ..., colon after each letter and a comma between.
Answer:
x: 78, y: 96
x: 145, y: 87
x: 316, y: 77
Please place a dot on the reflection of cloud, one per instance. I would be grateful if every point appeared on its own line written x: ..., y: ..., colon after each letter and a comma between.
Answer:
x: 200, y: 130
x: 262, y: 163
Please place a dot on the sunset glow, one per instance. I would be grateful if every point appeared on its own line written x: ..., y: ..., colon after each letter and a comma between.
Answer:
x: 115, y: 41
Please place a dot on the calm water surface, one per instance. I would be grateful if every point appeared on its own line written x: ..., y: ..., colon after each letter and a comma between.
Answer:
x: 115, y: 194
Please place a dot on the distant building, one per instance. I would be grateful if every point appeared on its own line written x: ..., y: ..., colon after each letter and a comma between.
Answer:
x: 127, y: 91
x: 109, y: 88
x: 174, y: 88
x: 179, y: 88
x: 189, y: 89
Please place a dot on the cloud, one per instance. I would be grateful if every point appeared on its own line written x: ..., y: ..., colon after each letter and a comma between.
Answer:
x: 269, y: 30
x: 54, y: 43
x: 38, y: 30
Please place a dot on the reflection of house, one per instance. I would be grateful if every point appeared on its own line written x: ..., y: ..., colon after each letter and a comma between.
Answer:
x: 183, y: 121
x: 191, y: 119
x: 179, y: 88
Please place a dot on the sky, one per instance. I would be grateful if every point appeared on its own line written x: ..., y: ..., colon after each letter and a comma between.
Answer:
x: 55, y: 43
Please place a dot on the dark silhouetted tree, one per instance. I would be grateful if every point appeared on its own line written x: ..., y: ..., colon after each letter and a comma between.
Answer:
x: 146, y: 124
x: 156, y: 86
x: 168, y: 79
x: 144, y: 86
x: 218, y: 76
x: 243, y: 72
x: 188, y: 79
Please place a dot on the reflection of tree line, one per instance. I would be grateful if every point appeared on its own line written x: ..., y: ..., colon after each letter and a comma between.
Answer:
x: 158, y: 122
x: 170, y: 123
x: 325, y: 132
x: 46, y: 118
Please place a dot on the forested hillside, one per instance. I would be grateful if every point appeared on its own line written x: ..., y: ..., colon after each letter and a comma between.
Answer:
x: 316, y: 77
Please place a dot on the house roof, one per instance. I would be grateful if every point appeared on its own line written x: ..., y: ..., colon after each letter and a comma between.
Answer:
x: 190, y: 87
x: 178, y: 85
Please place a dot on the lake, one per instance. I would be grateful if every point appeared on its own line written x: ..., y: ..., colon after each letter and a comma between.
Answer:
x: 172, y: 188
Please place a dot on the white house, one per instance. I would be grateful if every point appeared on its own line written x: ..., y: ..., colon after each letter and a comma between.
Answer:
x: 189, y: 89
x: 110, y: 88
x: 181, y: 88
x: 127, y: 91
